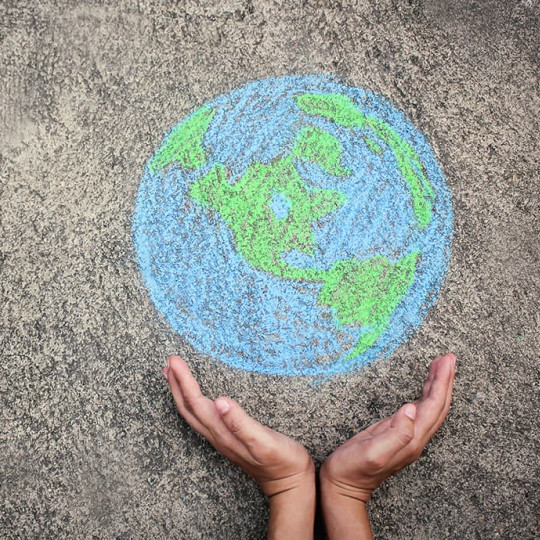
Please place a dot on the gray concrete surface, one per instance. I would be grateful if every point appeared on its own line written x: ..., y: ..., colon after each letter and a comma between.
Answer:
x: 90, y: 444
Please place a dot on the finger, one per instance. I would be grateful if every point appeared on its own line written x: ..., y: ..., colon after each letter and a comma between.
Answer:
x: 191, y: 390
x: 188, y: 416
x: 448, y: 397
x: 194, y: 401
x: 379, y: 427
x: 245, y: 428
x: 381, y: 450
x: 199, y: 411
x: 431, y: 375
x: 383, y: 425
x: 431, y: 409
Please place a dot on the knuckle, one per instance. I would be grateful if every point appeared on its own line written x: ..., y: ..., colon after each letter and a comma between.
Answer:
x: 405, y: 437
x: 375, y: 461
x: 234, y: 425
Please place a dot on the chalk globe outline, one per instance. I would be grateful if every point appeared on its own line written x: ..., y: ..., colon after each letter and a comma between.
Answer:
x: 403, y: 321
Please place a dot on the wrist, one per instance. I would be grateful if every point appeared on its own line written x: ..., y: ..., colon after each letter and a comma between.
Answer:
x: 298, y: 491
x: 292, y: 511
x: 330, y: 483
x: 301, y: 480
x: 344, y: 509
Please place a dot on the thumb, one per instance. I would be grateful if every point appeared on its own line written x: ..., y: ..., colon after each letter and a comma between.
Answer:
x: 399, y: 434
x: 403, y: 420
x: 239, y: 423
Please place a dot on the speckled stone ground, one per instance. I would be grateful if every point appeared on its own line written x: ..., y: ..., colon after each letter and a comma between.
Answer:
x: 90, y: 444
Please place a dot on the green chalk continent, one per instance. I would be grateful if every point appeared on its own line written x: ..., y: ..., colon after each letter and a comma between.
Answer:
x: 373, y: 146
x: 365, y: 293
x: 362, y: 293
x: 342, y: 110
x: 184, y: 144
x: 245, y: 207
x: 320, y: 147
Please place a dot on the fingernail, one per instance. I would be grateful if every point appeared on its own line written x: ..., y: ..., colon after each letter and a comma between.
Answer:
x: 410, y: 411
x: 165, y: 373
x: 222, y: 406
x: 169, y: 361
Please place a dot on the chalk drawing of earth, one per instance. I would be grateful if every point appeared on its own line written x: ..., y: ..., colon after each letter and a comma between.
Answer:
x: 294, y: 226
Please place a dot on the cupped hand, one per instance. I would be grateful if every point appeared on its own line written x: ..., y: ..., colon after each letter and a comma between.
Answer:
x: 275, y: 461
x: 357, y: 467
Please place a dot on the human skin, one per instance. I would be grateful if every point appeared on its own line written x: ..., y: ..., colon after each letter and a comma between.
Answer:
x: 353, y: 471
x: 284, y: 469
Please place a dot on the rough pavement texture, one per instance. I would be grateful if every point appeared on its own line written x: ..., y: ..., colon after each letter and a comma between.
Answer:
x: 90, y: 444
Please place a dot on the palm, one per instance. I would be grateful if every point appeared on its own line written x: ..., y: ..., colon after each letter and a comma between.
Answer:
x: 274, y: 460
x: 357, y: 467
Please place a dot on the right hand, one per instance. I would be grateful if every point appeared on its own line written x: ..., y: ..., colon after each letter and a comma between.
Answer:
x: 360, y: 465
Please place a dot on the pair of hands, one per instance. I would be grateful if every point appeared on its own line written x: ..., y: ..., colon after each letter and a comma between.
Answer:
x: 285, y: 471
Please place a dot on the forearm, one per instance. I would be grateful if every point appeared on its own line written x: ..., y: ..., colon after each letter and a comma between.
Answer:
x: 345, y: 518
x: 292, y: 514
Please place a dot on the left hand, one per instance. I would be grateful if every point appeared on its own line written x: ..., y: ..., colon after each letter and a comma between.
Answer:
x: 357, y: 467
x: 275, y: 461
